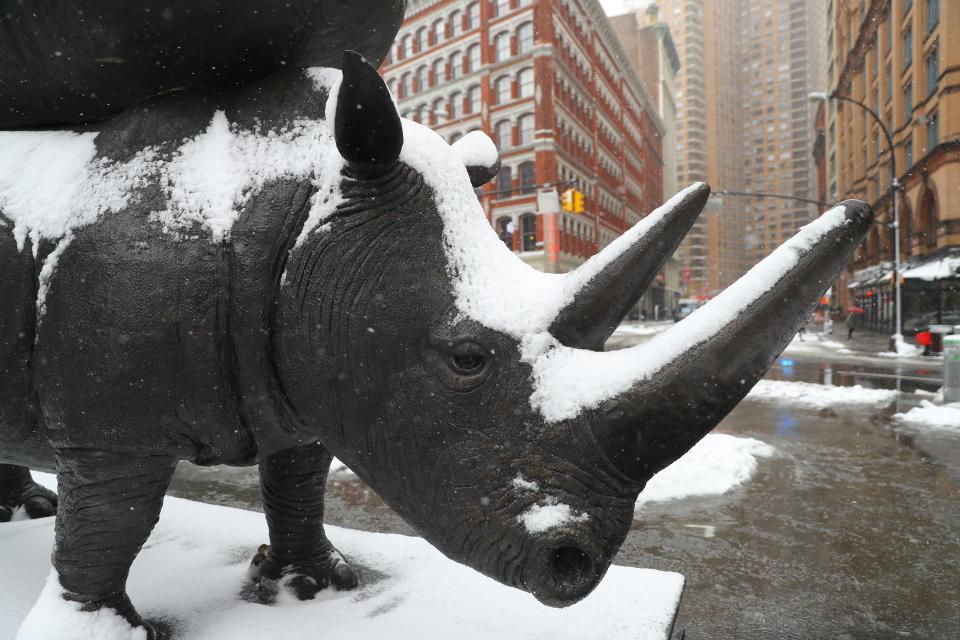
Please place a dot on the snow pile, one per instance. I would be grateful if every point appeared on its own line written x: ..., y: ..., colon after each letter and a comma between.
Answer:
x: 191, y: 572
x: 820, y: 396
x: 906, y: 349
x: 643, y: 329
x: 929, y: 414
x: 715, y: 465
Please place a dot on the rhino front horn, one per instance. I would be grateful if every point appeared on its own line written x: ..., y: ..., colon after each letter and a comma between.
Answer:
x: 679, y: 385
x: 367, y: 126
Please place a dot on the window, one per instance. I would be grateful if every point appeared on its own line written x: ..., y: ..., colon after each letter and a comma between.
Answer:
x: 456, y: 105
x: 439, y: 109
x: 473, y: 99
x: 407, y: 45
x: 473, y: 58
x: 503, y: 89
x: 407, y: 85
x: 456, y: 64
x: 933, y: 131
x: 528, y: 232
x: 439, y: 73
x: 501, y: 7
x: 473, y: 15
x: 526, y: 128
x: 422, y: 39
x: 502, y: 46
x: 505, y: 182
x: 908, y: 102
x: 906, y: 5
x: 528, y: 177
x: 933, y: 14
x: 525, y: 83
x: 504, y: 134
x: 392, y: 85
x: 933, y: 70
x: 504, y: 228
x: 456, y: 24
x: 439, y: 31
x: 908, y: 47
x: 525, y: 37
x: 889, y: 83
x: 422, y: 78
x: 908, y: 153
x: 454, y: 137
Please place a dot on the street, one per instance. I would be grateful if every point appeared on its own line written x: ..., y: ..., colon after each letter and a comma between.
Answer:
x: 851, y: 530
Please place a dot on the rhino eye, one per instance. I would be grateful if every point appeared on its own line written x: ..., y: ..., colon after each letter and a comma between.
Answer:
x: 468, y: 364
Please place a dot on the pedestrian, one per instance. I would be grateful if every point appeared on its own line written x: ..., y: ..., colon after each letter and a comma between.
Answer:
x: 850, y: 326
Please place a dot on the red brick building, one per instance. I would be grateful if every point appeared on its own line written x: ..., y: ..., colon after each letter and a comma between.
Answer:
x: 549, y: 81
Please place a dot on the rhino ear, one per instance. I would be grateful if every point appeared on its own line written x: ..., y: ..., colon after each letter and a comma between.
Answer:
x: 479, y: 156
x: 366, y: 126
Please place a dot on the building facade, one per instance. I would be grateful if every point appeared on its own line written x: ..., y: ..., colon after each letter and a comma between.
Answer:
x: 900, y: 58
x: 549, y: 81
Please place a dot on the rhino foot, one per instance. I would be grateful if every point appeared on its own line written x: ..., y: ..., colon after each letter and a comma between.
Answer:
x: 17, y: 489
x: 304, y: 580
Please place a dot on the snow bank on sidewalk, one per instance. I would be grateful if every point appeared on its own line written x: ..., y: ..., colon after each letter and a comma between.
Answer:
x: 715, y: 465
x: 191, y: 571
x: 932, y: 415
x: 820, y: 396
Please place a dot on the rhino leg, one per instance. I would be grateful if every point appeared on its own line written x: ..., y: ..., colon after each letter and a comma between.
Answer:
x: 17, y: 489
x: 109, y: 503
x: 300, y: 556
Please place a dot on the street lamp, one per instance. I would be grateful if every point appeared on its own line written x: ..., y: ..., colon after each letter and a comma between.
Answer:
x: 894, y: 186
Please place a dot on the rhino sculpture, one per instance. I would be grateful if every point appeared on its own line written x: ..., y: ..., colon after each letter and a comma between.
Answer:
x: 289, y: 271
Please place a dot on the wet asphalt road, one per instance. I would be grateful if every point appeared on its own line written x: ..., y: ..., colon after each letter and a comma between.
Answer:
x: 851, y: 531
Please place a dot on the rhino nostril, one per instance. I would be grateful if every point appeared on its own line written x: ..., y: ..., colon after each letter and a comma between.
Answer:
x: 571, y: 566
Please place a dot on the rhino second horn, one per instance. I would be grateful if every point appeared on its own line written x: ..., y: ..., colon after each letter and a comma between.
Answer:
x: 367, y: 126
x: 604, y: 296
x: 657, y: 420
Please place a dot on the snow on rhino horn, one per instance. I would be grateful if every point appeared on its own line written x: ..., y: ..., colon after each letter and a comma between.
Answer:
x: 298, y: 273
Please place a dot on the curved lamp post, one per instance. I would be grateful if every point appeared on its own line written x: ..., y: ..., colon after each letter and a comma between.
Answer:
x: 894, y: 186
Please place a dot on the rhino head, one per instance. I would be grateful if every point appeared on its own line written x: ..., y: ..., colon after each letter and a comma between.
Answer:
x: 471, y: 391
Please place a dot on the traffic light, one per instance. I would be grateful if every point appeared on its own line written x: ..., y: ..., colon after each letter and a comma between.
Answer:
x: 572, y: 201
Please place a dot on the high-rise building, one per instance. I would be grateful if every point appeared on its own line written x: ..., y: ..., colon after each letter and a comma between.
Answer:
x: 744, y: 125
x: 899, y: 59
x: 549, y: 80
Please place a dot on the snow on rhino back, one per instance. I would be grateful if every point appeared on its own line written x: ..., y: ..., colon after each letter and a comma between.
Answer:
x: 52, y: 183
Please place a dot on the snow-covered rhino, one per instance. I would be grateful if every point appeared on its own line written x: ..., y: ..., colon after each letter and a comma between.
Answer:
x: 289, y: 272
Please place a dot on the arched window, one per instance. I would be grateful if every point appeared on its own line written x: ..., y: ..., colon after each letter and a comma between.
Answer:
x: 439, y: 31
x: 473, y: 15
x: 525, y: 83
x: 456, y: 135
x: 528, y: 232
x: 473, y: 99
x: 505, y: 182
x: 928, y: 221
x: 439, y: 109
x: 473, y: 57
x: 439, y: 72
x: 503, y: 89
x: 501, y: 45
x: 525, y: 37
x: 456, y: 64
x: 501, y: 7
x: 504, y: 134
x: 456, y: 24
x: 422, y: 39
x: 528, y: 177
x: 456, y: 105
x: 407, y: 42
x: 423, y: 78
x: 407, y: 85
x: 504, y: 226
x: 526, y: 128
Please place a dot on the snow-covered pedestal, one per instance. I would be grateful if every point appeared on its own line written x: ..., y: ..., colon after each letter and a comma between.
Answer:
x: 192, y: 570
